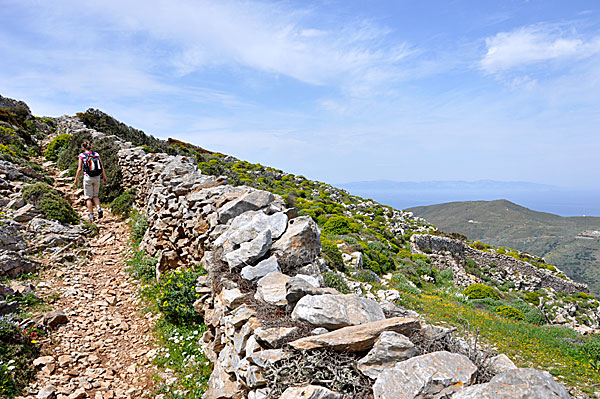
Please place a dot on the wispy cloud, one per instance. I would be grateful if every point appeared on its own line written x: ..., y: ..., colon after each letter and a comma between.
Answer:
x: 535, y: 44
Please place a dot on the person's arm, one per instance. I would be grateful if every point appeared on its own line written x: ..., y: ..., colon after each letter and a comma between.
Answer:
x: 103, y: 173
x: 79, y: 166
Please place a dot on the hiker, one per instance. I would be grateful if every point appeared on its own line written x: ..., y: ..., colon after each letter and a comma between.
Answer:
x: 92, y: 167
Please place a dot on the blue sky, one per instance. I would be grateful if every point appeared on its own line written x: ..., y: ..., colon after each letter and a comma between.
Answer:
x: 335, y: 90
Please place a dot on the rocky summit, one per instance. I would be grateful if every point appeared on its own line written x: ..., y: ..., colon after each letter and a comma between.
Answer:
x: 279, y: 318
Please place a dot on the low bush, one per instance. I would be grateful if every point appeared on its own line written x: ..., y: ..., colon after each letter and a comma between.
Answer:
x: 338, y: 225
x: 533, y: 297
x: 401, y: 283
x: 481, y: 291
x: 336, y: 281
x: 138, y: 224
x: 58, y: 144
x: 50, y: 202
x: 142, y: 267
x: 367, y: 276
x: 535, y: 316
x: 18, y: 349
x: 123, y: 204
x: 332, y: 254
x: 510, y: 313
x: 176, y: 296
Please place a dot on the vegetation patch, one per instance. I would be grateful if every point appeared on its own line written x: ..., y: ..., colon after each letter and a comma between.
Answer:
x: 510, y: 312
x: 18, y: 349
x: 123, y: 204
x: 50, y: 202
x: 481, y: 291
x: 58, y: 144
x: 336, y: 281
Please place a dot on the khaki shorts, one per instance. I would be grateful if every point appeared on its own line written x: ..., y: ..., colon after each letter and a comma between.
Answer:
x: 91, y: 186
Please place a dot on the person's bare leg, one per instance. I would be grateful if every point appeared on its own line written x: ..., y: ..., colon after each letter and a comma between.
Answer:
x: 97, y: 203
x: 90, y: 206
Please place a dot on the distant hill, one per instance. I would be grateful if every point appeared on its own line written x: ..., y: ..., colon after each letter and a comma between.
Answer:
x: 571, y: 243
x: 402, y: 195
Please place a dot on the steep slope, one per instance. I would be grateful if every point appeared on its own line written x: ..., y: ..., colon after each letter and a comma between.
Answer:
x: 571, y: 243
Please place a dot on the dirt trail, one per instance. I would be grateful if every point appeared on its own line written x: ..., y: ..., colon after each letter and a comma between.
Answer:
x: 105, y: 348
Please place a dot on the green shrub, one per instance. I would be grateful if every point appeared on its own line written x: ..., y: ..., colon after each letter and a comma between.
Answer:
x: 142, y: 267
x: 138, y: 224
x: 338, y: 225
x: 336, y: 281
x: 366, y: 276
x: 445, y: 276
x: 123, y: 204
x: 332, y: 255
x: 480, y: 291
x: 510, y: 313
x: 401, y: 283
x: 50, y: 202
x: 533, y: 297
x: 58, y: 144
x: 176, y: 296
x: 535, y: 316
x: 18, y: 349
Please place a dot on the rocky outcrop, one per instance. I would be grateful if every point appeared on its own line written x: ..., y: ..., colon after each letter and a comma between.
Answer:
x: 451, y: 253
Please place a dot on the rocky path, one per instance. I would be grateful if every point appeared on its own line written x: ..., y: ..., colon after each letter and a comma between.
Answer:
x: 104, y: 350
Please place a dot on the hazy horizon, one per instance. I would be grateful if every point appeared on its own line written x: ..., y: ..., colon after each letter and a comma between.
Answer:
x: 561, y: 201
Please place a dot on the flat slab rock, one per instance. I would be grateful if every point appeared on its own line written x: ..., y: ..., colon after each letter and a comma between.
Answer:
x: 516, y: 384
x: 432, y: 375
x: 357, y: 338
x: 337, y: 311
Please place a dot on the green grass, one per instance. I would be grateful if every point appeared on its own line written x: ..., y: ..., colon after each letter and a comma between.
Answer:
x: 552, y: 348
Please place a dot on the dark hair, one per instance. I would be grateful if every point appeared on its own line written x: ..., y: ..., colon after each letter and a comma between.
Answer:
x: 86, y: 145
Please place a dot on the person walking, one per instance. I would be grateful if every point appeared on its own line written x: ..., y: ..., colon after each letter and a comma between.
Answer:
x: 92, y: 167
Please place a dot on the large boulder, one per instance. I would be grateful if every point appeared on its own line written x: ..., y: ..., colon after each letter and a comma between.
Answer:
x: 432, y: 375
x: 271, y: 289
x: 336, y: 311
x: 389, y: 349
x: 357, y: 338
x: 248, y: 226
x: 250, y: 201
x: 299, y: 245
x: 12, y: 264
x: 517, y: 383
x: 302, y: 285
x: 249, y: 252
x: 264, y: 267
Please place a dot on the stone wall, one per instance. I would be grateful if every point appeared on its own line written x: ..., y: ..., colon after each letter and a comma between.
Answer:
x: 447, y: 251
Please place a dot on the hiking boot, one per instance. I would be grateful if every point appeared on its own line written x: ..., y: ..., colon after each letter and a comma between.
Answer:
x: 100, y: 213
x: 92, y: 217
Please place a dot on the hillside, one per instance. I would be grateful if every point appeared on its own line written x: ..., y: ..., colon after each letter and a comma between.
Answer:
x: 568, y: 242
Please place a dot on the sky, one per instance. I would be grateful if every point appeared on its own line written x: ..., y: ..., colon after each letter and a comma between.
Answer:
x: 337, y: 91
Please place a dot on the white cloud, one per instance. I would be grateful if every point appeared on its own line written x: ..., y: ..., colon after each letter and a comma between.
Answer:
x: 535, y: 44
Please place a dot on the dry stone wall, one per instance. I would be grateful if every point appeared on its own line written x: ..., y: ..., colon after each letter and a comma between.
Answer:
x: 274, y: 330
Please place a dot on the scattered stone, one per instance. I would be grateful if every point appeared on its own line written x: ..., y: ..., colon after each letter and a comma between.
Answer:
x: 500, y: 364
x: 263, y: 268
x: 274, y: 337
x: 55, y: 318
x: 299, y: 245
